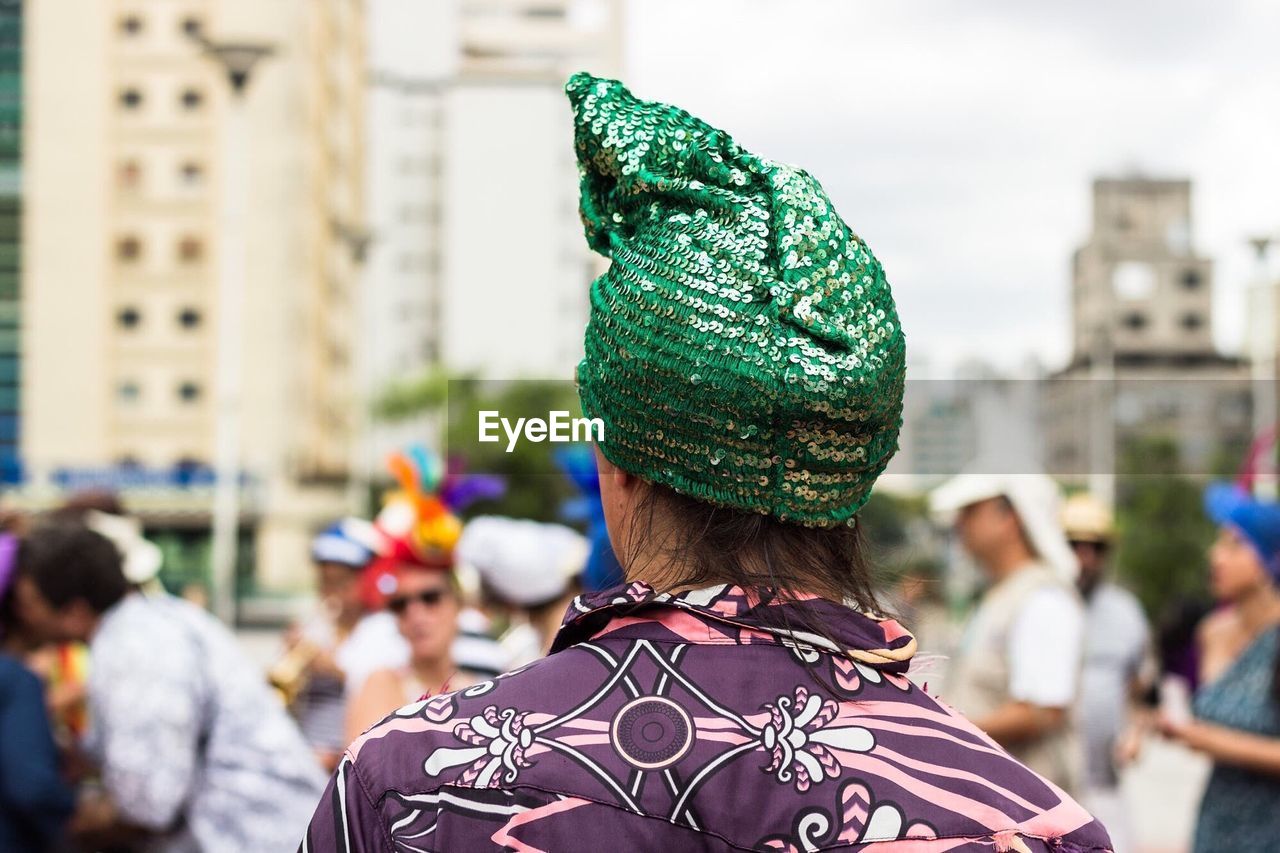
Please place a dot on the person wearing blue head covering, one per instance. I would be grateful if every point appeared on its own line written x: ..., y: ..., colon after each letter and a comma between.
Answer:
x: 1236, y: 720
x: 602, y: 571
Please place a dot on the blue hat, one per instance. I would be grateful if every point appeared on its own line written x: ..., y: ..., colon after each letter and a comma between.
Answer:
x: 1258, y: 521
x: 602, y: 571
x: 348, y: 542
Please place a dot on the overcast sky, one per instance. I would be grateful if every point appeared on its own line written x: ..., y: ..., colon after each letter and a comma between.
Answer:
x: 960, y: 139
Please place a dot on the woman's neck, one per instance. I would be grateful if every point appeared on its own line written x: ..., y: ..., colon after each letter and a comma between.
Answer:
x: 1259, y: 610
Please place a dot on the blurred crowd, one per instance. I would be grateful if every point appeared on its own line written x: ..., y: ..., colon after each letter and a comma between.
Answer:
x: 132, y: 720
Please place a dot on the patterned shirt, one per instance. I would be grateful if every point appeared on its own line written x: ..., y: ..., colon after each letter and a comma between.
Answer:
x: 191, y: 743
x: 711, y: 720
x: 707, y: 720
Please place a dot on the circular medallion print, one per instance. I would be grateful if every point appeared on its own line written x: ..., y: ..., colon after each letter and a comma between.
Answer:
x: 651, y: 733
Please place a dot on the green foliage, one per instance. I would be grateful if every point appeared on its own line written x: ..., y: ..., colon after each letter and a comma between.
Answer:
x: 899, y: 537
x: 410, y: 397
x: 1163, y: 529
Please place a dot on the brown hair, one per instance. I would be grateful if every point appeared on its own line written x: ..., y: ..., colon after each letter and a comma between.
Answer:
x: 702, y: 544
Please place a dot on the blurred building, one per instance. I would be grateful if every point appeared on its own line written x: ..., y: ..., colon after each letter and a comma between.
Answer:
x: 1143, y: 351
x: 477, y: 262
x: 412, y: 55
x: 123, y: 194
x: 10, y: 239
x: 980, y: 420
x: 516, y: 267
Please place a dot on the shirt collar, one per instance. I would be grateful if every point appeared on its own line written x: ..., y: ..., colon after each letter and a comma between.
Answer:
x: 876, y: 641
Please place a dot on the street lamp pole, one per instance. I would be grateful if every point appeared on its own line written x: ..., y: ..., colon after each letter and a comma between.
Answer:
x: 1262, y: 358
x: 358, y: 240
x: 238, y: 60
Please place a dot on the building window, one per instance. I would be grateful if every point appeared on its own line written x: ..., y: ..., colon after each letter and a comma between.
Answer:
x: 129, y: 249
x: 191, y: 99
x: 189, y: 318
x: 189, y: 392
x: 130, y: 175
x: 1191, y: 279
x: 190, y: 250
x: 129, y: 318
x: 1191, y: 322
x: 128, y: 392
x: 1135, y: 321
x: 1134, y: 280
x: 131, y: 98
x: 192, y: 26
x: 131, y: 25
x: 191, y: 174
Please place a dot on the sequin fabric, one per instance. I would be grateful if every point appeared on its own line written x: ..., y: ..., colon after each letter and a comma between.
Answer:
x: 743, y: 348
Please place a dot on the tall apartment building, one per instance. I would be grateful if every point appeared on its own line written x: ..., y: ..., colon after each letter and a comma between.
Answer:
x: 10, y: 238
x: 1141, y: 307
x: 126, y: 123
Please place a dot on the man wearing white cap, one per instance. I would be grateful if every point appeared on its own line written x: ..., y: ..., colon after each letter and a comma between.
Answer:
x: 1017, y: 669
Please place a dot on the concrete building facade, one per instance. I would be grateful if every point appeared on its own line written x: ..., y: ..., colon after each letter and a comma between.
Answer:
x: 515, y: 263
x: 124, y: 193
x: 477, y: 263
x: 1144, y: 365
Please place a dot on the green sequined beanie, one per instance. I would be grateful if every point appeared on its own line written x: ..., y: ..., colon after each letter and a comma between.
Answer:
x: 743, y: 347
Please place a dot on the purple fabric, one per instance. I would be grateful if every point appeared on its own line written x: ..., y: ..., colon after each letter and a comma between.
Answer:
x: 8, y: 565
x: 712, y: 720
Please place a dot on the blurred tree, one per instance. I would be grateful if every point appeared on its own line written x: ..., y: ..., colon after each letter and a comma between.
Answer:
x: 900, y: 538
x: 418, y: 395
x: 1162, y: 526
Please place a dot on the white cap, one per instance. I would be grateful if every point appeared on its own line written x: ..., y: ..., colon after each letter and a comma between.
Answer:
x: 1034, y: 497
x: 141, y: 559
x: 526, y: 563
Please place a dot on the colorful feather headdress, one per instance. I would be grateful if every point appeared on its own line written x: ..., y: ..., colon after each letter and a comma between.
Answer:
x: 419, y: 519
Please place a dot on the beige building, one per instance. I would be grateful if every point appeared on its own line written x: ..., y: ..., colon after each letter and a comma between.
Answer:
x: 124, y: 135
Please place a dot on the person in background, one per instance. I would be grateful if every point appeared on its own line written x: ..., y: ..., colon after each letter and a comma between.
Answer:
x: 578, y: 464
x: 329, y: 656
x: 64, y: 667
x: 1236, y: 720
x: 529, y: 570
x: 35, y: 800
x: 193, y: 750
x: 423, y: 596
x: 1118, y: 666
x: 1016, y: 671
x: 741, y: 690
